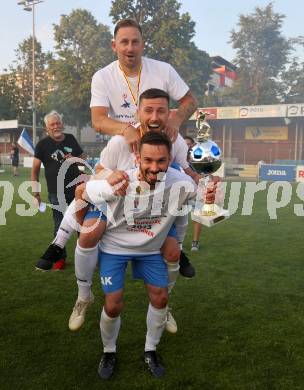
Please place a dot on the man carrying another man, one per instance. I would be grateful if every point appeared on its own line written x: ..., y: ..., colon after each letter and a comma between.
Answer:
x: 138, y: 242
x: 153, y: 113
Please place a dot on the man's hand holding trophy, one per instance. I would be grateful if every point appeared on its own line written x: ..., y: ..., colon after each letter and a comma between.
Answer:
x: 205, y: 159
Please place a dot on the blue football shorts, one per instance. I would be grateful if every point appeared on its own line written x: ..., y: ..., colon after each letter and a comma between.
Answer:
x: 172, y: 232
x: 150, y: 268
x: 176, y: 166
x: 96, y: 212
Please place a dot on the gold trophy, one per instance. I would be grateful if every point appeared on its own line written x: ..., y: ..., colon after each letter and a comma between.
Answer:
x: 205, y: 159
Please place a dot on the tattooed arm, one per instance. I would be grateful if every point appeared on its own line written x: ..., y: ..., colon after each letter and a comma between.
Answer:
x: 187, y: 106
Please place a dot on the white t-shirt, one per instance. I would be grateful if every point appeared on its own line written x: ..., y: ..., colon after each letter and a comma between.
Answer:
x: 110, y: 89
x: 117, y: 154
x: 140, y: 223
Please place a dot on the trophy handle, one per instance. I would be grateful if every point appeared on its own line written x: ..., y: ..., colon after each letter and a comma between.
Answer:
x: 210, y: 214
x: 208, y: 207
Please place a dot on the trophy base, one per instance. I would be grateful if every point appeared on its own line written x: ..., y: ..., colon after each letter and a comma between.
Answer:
x: 220, y: 215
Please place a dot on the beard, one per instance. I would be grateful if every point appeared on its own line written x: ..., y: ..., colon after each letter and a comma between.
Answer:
x: 152, y: 177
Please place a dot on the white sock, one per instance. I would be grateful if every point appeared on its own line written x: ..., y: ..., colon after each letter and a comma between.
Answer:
x: 109, y: 329
x: 181, y: 226
x: 181, y: 231
x: 173, y: 269
x: 156, y: 320
x: 85, y: 264
x: 66, y: 227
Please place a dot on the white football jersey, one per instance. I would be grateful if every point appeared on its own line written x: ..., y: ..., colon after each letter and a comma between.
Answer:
x: 117, y: 154
x: 140, y: 223
x: 110, y: 89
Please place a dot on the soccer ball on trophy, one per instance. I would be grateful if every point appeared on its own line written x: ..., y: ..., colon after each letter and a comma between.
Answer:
x: 205, y: 159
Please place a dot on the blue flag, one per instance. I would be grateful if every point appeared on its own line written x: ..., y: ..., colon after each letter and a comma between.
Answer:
x: 26, y: 143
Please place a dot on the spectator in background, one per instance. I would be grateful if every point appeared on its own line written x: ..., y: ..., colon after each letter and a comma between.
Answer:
x: 52, y: 151
x: 15, y: 158
x: 190, y: 142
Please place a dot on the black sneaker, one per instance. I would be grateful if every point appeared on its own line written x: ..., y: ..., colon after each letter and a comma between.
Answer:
x: 50, y: 256
x: 186, y: 269
x: 107, y: 365
x: 153, y: 365
x: 44, y: 265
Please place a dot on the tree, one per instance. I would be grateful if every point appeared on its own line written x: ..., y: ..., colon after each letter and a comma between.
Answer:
x: 18, y: 83
x: 262, y: 54
x: 293, y: 82
x: 293, y: 77
x: 82, y: 47
x: 7, y: 106
x: 168, y: 37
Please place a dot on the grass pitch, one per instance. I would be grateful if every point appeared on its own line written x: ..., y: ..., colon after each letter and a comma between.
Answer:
x: 241, y: 320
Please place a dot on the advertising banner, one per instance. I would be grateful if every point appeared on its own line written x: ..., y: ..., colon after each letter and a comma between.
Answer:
x: 269, y: 111
x: 300, y: 173
x: 228, y: 112
x: 12, y: 124
x: 294, y: 110
x: 277, y: 172
x: 266, y: 133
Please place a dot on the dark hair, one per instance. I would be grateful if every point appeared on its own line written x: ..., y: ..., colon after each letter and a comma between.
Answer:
x: 127, y: 23
x: 155, y: 138
x: 154, y: 93
x: 189, y: 138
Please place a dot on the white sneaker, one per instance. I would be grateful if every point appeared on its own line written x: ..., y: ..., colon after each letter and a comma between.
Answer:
x: 194, y: 246
x: 171, y: 325
x: 78, y: 314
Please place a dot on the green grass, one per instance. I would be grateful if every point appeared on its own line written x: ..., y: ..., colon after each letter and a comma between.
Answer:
x: 241, y: 320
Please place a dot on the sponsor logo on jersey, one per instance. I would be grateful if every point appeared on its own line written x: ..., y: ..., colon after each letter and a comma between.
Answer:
x: 125, y: 104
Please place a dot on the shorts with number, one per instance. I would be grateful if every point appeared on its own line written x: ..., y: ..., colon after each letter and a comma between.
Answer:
x: 150, y: 268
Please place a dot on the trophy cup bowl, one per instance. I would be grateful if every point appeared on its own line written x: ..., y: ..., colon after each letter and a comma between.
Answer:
x: 205, y: 159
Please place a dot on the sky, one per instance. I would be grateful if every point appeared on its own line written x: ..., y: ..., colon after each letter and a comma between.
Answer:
x: 214, y: 22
